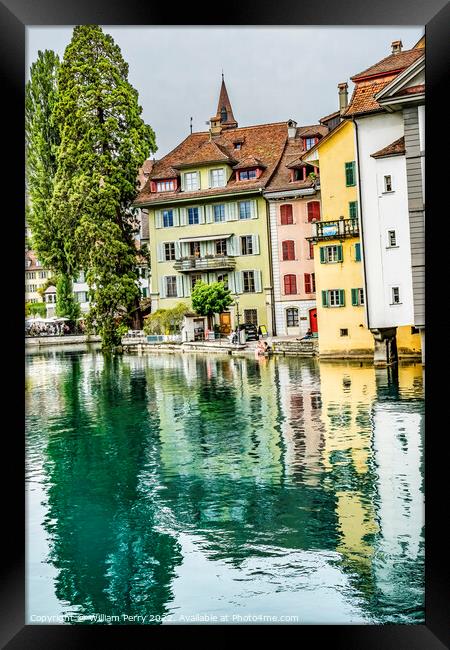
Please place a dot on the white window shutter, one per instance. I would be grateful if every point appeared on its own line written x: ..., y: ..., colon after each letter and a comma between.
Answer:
x: 209, y: 213
x: 205, y: 278
x: 231, y: 283
x: 233, y: 214
x: 183, y: 216
x: 199, y: 181
x: 186, y: 286
x: 177, y: 250
x: 176, y: 217
x: 258, y: 281
x: 210, y: 248
x: 158, y: 219
x: 202, y: 249
x: 255, y: 244
x: 253, y: 209
x: 238, y: 281
x: 160, y: 251
x: 201, y: 214
x: 162, y: 287
x: 236, y: 245
x: 179, y: 286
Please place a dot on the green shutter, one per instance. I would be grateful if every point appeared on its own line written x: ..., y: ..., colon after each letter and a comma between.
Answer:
x: 324, y: 299
x: 350, y: 174
x: 358, y: 252
x: 355, y: 297
x: 339, y: 253
x: 353, y: 209
x: 341, y: 298
x: 322, y: 255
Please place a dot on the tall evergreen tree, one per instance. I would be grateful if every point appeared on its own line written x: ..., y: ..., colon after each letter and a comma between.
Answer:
x: 49, y: 235
x: 104, y: 142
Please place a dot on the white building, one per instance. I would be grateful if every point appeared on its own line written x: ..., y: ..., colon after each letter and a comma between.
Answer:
x: 389, y: 237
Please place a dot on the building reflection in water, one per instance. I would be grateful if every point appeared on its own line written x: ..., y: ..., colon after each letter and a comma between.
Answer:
x: 285, y: 479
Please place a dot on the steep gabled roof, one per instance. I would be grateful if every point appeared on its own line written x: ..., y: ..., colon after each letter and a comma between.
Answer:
x: 207, y: 152
x: 396, y: 148
x: 250, y: 161
x: 224, y: 103
x: 390, y: 64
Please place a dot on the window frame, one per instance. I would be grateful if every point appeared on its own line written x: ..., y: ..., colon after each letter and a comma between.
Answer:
x: 387, y: 185
x: 390, y: 244
x: 286, y: 220
x: 169, y: 247
x: 212, y: 173
x: 295, y: 319
x: 217, y: 206
x: 188, y: 177
x: 168, y: 213
x: 290, y: 282
x: 193, y: 223
x: 249, y: 280
x: 248, y: 239
x: 288, y: 250
x: 246, y: 203
x: 350, y: 167
x: 172, y: 286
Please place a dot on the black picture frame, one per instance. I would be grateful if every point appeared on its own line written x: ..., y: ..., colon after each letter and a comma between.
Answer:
x: 435, y: 15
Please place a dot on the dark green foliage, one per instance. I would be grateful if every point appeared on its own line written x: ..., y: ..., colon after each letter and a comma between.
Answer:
x: 66, y: 305
x: 210, y: 299
x: 39, y: 308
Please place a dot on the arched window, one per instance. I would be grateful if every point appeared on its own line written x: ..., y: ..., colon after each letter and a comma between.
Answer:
x: 290, y: 284
x: 313, y: 211
x: 288, y: 250
x: 223, y: 114
x: 292, y: 317
x: 286, y: 214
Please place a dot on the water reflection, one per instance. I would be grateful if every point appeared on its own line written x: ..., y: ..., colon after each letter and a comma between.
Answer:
x: 182, y: 484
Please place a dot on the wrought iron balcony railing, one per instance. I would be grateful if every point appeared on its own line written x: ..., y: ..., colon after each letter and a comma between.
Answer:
x: 339, y: 229
x: 207, y: 263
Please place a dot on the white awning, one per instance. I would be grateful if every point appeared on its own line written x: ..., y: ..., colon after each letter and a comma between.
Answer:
x: 206, y: 237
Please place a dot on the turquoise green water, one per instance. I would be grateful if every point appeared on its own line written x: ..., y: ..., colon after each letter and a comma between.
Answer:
x: 184, y: 488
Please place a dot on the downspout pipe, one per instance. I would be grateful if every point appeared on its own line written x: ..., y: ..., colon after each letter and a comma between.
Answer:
x: 361, y: 222
x: 269, y: 243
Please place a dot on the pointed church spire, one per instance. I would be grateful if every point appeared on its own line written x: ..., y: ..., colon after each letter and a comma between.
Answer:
x: 224, y: 115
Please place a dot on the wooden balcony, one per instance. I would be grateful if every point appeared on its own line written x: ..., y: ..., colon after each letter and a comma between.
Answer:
x: 207, y: 263
x: 339, y: 229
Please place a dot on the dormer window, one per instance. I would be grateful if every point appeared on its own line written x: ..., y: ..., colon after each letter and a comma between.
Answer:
x: 165, y: 186
x: 192, y: 181
x: 309, y: 142
x: 238, y: 145
x: 247, y: 174
x: 217, y: 177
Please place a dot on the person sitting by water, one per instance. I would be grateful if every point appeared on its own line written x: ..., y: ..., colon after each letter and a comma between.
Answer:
x: 308, y: 335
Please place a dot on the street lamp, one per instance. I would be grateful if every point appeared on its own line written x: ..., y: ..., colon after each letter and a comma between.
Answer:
x: 236, y: 303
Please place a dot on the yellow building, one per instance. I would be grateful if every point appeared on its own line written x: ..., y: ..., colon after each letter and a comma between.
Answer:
x: 339, y: 275
x: 208, y: 218
x: 337, y: 250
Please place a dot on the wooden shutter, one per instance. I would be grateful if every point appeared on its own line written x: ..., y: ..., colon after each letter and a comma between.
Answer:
x: 358, y: 252
x: 201, y: 214
x: 209, y: 213
x: 339, y: 253
x: 323, y: 258
x: 290, y: 284
x: 286, y: 214
x: 232, y: 211
x: 186, y: 286
x: 161, y: 252
x: 177, y: 250
x: 313, y: 211
x: 324, y: 299
x: 255, y: 244
x: 258, y: 281
x: 176, y: 217
x: 183, y: 216
x: 355, y: 297
x: 158, y: 219
x: 253, y: 210
x: 203, y: 249
x: 179, y: 286
x: 162, y: 286
x: 341, y: 298
x: 307, y: 283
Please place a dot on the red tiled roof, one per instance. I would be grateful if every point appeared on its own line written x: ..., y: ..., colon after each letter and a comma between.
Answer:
x: 250, y: 161
x: 329, y: 117
x: 391, y: 64
x: 363, y: 100
x: 281, y: 180
x: 314, y: 129
x: 264, y: 142
x: 396, y: 148
x: 207, y: 152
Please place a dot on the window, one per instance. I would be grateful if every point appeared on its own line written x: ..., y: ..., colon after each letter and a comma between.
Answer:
x: 286, y: 214
x: 357, y: 297
x: 310, y: 283
x: 247, y: 245
x: 309, y: 142
x: 247, y: 175
x: 144, y: 292
x: 244, y: 210
x: 169, y: 251
x: 221, y: 247
x: 165, y: 186
x: 223, y: 278
x: 249, y: 281
x: 193, y: 216
x: 171, y: 286
x: 217, y: 177
x: 313, y: 211
x: 191, y: 181
x: 194, y: 248
x: 331, y: 254
x: 350, y: 174
x: 167, y: 218
x: 388, y: 183
x: 195, y: 277
x: 219, y: 213
x: 292, y: 317
x: 290, y: 284
x: 288, y: 250
x: 415, y: 330
x: 344, y: 332
x: 311, y: 250
x: 237, y: 145
x: 333, y: 298
x: 251, y: 316
x: 353, y: 210
x: 357, y: 252
x: 392, y: 239
x: 395, y: 295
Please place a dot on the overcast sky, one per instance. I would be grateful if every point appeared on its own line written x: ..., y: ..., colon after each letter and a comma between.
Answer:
x: 272, y: 73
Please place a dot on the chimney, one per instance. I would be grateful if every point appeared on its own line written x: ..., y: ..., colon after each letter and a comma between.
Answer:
x: 396, y: 47
x: 292, y: 128
x: 343, y: 96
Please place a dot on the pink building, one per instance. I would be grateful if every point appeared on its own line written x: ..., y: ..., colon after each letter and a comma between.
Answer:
x: 293, y: 196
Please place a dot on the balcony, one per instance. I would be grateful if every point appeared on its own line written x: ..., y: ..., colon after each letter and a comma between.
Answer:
x: 340, y: 229
x: 207, y: 263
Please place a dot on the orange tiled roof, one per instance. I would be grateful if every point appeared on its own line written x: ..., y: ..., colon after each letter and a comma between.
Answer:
x: 207, y: 152
x: 396, y: 148
x: 329, y: 117
x: 391, y: 64
x: 281, y: 180
x: 250, y: 161
x: 264, y: 142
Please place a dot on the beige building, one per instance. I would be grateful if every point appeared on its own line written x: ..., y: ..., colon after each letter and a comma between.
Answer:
x: 35, y: 277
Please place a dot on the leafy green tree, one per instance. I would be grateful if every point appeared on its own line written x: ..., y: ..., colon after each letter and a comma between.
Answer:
x: 66, y: 305
x: 210, y: 299
x: 166, y: 321
x: 32, y: 308
x: 104, y: 142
